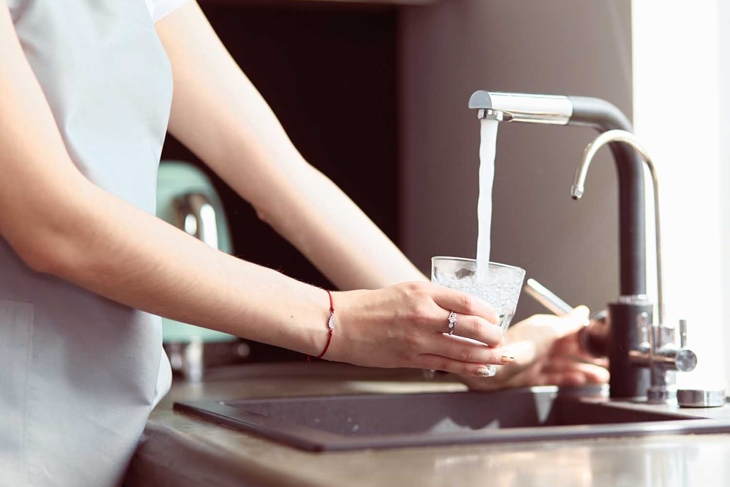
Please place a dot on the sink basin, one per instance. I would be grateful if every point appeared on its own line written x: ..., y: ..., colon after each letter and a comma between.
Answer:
x: 352, y: 422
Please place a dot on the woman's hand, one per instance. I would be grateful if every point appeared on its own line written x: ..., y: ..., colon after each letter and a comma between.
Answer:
x: 547, y: 352
x: 406, y: 325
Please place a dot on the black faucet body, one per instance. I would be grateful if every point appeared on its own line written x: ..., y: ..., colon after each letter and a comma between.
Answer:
x: 628, y: 379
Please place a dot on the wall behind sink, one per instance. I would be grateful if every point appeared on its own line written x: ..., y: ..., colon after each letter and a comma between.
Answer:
x: 570, y: 47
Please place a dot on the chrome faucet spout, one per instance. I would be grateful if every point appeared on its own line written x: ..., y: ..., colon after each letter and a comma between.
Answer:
x: 520, y: 107
x: 658, y: 349
x: 578, y: 188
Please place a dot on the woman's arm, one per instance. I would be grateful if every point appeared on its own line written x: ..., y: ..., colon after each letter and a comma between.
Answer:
x: 60, y: 223
x: 220, y: 116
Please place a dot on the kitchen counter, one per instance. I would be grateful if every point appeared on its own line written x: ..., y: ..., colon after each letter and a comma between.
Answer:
x: 361, y: 3
x: 179, y: 450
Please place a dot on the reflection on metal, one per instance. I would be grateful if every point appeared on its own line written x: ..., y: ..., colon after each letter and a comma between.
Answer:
x: 701, y: 398
x: 192, y: 362
x: 522, y: 107
x: 193, y: 358
x: 196, y: 215
x: 191, y: 224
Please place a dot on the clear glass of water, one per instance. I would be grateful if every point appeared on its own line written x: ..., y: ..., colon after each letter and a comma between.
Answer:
x: 499, y: 285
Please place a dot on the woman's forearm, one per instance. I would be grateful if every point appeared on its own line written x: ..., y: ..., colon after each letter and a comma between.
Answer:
x: 312, y: 213
x: 126, y: 255
x: 58, y: 222
x: 219, y: 114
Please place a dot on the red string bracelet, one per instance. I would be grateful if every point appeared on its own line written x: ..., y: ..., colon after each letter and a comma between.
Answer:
x: 330, y: 326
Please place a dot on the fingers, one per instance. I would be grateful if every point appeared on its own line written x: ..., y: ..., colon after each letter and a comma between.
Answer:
x: 446, y: 364
x: 475, y: 318
x: 573, y: 322
x: 561, y: 369
x: 524, y: 352
x: 563, y: 379
x: 463, y: 303
x: 571, y: 346
x: 475, y: 328
x: 600, y: 362
x: 563, y: 375
x: 466, y: 350
x: 592, y: 374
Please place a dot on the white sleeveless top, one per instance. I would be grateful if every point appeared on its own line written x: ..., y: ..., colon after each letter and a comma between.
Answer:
x: 160, y: 8
x: 79, y: 373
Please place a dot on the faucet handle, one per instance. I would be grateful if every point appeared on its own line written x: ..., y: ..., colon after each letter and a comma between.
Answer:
x: 682, y: 333
x: 683, y: 359
x: 667, y: 336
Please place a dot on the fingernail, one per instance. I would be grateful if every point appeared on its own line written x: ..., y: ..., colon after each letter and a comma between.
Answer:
x: 483, y: 372
x: 507, y: 358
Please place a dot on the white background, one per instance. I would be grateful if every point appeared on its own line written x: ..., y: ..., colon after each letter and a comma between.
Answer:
x: 681, y: 77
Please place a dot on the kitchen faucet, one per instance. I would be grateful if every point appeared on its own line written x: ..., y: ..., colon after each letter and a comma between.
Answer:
x: 657, y: 348
x: 629, y: 378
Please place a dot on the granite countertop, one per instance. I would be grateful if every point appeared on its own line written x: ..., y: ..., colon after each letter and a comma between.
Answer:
x: 182, y: 451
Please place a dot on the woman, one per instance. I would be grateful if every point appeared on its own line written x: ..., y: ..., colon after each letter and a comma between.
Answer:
x: 86, y: 89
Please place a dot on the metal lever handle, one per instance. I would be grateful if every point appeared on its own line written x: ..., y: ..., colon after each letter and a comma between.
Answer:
x: 682, y: 333
x: 686, y: 359
x: 681, y: 358
x: 547, y: 298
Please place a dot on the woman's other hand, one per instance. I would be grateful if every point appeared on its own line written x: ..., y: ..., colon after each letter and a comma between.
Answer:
x: 547, y: 351
x: 406, y: 325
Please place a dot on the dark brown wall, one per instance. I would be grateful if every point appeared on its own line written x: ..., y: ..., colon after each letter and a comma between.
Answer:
x: 330, y: 76
x: 569, y: 47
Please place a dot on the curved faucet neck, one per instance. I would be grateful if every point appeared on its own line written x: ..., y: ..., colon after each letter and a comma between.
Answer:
x: 578, y: 188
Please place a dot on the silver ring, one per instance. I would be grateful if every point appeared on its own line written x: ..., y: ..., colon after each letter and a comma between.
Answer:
x: 452, y: 322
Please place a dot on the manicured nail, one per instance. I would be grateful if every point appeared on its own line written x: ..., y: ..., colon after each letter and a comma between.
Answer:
x: 507, y: 358
x: 483, y: 372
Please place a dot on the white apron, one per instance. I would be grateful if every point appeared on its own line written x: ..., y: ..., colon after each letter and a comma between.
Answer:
x: 79, y: 374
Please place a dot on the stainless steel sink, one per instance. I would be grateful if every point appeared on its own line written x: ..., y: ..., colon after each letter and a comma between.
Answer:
x: 401, y: 420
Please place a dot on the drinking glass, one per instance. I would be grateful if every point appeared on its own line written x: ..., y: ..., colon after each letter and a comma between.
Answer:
x: 499, y: 285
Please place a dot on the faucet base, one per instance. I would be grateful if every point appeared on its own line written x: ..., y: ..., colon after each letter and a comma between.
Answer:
x: 628, y: 379
x: 662, y: 394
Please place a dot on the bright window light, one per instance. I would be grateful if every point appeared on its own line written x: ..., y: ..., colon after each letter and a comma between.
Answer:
x: 677, y: 115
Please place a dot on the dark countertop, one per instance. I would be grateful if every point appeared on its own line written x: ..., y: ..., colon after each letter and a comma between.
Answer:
x: 178, y: 450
